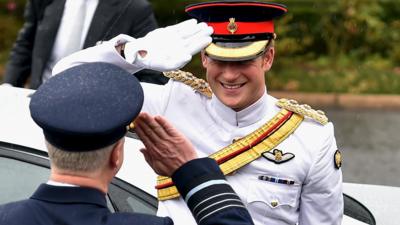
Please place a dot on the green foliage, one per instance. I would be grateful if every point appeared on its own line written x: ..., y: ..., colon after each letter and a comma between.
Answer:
x: 11, y: 12
x: 13, y: 8
x: 8, y: 29
x: 340, y: 74
x: 355, y: 27
x: 355, y: 39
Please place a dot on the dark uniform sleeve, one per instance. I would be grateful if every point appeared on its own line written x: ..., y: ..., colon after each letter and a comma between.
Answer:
x: 19, y: 65
x: 208, y: 195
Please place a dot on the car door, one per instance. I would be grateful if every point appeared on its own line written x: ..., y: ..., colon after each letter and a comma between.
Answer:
x: 22, y: 169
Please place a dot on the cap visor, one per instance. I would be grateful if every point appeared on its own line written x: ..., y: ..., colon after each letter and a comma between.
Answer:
x: 240, y: 53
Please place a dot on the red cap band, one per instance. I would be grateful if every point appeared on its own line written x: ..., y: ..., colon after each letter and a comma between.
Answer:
x: 222, y: 28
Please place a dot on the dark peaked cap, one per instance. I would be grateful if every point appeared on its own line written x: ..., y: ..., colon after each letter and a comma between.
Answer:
x: 87, y: 107
x: 242, y: 29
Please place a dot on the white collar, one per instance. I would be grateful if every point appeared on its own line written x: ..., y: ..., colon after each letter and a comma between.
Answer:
x: 55, y: 183
x: 245, y: 117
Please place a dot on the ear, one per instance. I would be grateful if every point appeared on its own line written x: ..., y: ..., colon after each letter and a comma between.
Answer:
x: 268, y: 58
x: 117, y: 155
x: 204, y: 59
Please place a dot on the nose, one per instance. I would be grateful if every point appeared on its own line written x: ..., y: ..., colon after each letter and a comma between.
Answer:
x: 230, y: 72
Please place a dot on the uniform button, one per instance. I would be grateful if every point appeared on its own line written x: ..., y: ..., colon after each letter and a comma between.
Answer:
x: 274, y: 203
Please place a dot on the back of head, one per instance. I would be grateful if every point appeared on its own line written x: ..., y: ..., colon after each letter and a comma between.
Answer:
x: 84, y: 111
x: 74, y: 163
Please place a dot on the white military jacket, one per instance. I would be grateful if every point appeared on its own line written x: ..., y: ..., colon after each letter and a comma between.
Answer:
x: 314, y: 198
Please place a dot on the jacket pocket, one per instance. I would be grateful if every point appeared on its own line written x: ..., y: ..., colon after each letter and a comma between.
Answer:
x: 273, y: 200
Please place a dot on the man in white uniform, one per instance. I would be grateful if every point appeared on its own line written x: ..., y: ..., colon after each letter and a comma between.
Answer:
x: 284, y: 162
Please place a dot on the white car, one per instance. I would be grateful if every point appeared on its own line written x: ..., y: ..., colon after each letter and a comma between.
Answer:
x: 24, y: 165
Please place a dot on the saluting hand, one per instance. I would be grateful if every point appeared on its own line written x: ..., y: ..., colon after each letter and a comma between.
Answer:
x: 169, y: 48
x: 166, y: 149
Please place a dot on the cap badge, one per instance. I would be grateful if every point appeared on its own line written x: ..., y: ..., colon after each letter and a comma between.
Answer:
x: 232, y: 26
x: 338, y: 159
x: 277, y: 156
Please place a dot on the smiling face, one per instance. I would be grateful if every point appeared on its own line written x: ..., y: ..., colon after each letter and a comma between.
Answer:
x: 238, y: 84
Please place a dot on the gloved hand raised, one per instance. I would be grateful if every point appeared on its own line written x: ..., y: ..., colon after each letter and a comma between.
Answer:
x: 169, y: 48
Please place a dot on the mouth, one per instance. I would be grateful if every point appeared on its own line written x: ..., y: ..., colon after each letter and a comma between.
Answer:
x: 232, y: 86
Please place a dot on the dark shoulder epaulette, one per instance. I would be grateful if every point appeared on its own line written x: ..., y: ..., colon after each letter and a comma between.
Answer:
x: 188, y: 78
x: 303, y: 109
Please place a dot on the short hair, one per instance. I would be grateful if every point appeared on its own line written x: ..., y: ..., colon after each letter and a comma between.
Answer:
x: 73, y: 162
x: 271, y: 43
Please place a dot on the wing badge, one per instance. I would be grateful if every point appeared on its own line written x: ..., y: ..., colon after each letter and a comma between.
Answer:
x: 277, y: 156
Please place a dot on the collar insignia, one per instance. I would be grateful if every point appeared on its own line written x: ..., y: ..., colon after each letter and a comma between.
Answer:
x: 232, y: 26
x: 277, y: 156
x: 338, y: 159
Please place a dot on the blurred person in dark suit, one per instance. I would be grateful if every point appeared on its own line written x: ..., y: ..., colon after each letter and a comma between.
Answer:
x: 56, y: 28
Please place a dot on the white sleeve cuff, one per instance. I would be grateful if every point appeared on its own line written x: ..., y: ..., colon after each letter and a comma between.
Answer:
x: 104, y: 52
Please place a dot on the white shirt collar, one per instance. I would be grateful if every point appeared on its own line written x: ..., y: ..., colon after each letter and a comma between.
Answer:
x: 66, y: 29
x: 245, y: 117
x: 55, y: 183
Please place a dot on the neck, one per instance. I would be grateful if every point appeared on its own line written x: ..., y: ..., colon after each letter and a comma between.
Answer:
x: 81, y: 180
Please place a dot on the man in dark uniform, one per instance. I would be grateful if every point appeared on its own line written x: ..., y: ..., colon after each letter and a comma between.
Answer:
x: 85, y: 112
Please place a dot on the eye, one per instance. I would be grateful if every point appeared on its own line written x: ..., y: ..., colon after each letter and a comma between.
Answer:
x: 217, y: 62
x: 246, y: 62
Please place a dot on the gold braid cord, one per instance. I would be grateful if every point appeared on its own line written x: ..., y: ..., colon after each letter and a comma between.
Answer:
x: 245, y: 150
x: 188, y: 78
x: 303, y: 109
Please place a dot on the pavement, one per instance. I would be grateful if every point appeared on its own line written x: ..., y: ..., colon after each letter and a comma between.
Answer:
x: 342, y: 101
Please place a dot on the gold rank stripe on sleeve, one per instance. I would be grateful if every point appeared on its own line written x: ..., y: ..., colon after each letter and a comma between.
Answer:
x: 245, y: 150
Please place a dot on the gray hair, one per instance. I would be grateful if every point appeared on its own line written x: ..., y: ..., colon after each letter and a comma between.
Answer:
x: 89, y: 161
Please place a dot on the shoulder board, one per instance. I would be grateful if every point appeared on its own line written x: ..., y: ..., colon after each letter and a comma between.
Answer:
x: 303, y: 109
x: 189, y: 79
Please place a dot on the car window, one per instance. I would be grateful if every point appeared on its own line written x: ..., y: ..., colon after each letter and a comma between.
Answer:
x: 358, y: 211
x: 23, y: 169
x: 127, y: 198
x: 19, y: 179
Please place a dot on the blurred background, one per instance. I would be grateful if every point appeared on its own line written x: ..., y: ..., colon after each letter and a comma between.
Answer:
x: 324, y: 48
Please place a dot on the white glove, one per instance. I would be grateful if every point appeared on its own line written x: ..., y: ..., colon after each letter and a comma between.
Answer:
x: 169, y: 48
